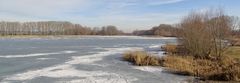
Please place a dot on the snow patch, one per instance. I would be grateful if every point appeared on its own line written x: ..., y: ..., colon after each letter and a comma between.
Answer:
x: 87, y: 59
x: 59, y: 71
x: 148, y: 69
x: 44, y: 58
x: 114, y: 79
x: 37, y: 54
x: 154, y: 46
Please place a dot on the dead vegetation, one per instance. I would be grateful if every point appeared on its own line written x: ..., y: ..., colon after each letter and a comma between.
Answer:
x: 235, y: 41
x: 170, y: 48
x: 226, y: 69
x: 203, y: 49
x: 141, y: 58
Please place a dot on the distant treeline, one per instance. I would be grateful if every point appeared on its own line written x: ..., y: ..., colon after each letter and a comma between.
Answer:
x: 68, y: 28
x: 161, y: 30
x: 168, y: 30
x: 54, y: 28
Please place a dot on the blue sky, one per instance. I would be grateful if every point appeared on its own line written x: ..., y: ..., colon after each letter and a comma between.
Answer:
x: 127, y: 15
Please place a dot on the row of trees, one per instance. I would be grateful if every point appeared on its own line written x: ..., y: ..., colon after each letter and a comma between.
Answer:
x: 54, y: 28
x: 161, y: 30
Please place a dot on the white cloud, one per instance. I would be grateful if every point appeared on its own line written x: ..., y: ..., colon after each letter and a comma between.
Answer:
x: 38, y: 7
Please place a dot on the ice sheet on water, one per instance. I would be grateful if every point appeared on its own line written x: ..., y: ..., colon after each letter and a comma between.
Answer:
x: 67, y: 70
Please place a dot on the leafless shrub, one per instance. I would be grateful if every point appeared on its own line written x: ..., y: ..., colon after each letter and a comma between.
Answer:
x: 205, y: 34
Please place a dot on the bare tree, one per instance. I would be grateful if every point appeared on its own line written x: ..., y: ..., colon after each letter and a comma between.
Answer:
x: 204, y: 34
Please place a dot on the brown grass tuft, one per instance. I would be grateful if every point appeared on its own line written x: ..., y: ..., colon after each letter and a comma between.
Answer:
x: 235, y: 41
x: 233, y: 51
x: 179, y: 64
x: 141, y: 58
x: 170, y: 48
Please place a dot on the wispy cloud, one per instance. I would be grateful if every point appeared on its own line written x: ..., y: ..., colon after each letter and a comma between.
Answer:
x: 51, y: 7
x: 162, y: 2
x: 127, y: 3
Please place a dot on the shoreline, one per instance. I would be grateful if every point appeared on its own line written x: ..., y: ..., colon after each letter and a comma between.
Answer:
x: 72, y: 36
x: 138, y: 59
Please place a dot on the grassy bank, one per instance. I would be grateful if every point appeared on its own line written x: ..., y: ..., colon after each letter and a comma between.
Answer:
x: 225, y: 68
x: 233, y: 52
